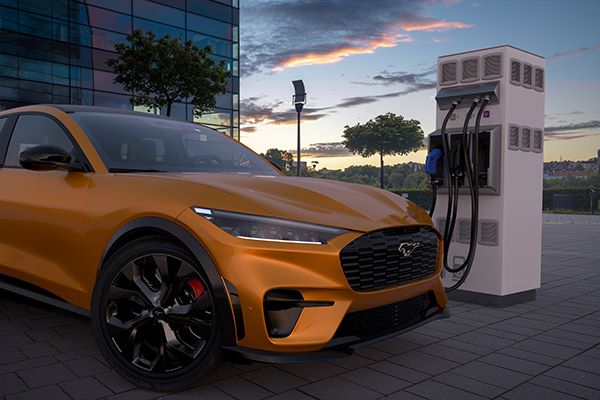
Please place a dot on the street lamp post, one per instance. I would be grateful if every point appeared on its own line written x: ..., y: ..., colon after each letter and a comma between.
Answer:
x: 592, y: 191
x: 298, y: 100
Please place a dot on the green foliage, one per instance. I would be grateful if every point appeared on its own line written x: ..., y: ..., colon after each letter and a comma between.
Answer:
x: 399, y: 177
x: 387, y: 134
x: 281, y: 158
x: 162, y: 71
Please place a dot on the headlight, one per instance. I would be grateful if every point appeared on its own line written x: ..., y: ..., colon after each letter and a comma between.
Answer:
x: 255, y: 227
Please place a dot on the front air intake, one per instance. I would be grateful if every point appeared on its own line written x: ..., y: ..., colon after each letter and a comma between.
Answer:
x: 390, y: 257
x: 470, y: 69
x: 448, y: 73
x: 492, y: 66
x: 464, y: 230
x: 489, y: 232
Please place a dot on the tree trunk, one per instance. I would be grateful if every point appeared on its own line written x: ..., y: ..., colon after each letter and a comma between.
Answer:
x: 169, y: 105
x: 381, y: 170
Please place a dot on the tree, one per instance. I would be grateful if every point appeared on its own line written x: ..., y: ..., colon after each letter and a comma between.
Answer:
x: 160, y: 72
x: 387, y: 134
x: 281, y: 158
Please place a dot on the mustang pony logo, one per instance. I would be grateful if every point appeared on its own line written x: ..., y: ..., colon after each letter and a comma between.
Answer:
x: 407, y: 248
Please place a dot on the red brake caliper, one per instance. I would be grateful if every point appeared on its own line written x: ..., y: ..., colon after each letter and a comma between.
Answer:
x: 196, y: 287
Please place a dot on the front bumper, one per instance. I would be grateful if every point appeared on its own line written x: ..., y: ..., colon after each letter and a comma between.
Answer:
x: 253, y: 268
x: 338, y: 347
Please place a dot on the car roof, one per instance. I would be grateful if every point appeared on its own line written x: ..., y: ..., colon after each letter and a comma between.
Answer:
x: 69, y: 108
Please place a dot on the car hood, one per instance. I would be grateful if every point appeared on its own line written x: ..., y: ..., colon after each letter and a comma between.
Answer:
x: 319, y: 201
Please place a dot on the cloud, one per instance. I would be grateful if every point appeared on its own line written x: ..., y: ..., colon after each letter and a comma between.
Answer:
x: 253, y: 113
x: 386, y: 78
x: 332, y: 149
x: 574, y: 130
x: 282, y: 34
x: 360, y: 100
x: 432, y: 25
x: 565, y: 55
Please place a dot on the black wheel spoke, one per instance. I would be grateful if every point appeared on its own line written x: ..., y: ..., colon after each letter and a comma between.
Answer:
x: 159, y: 313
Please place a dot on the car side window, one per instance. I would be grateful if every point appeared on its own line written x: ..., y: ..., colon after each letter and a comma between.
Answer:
x: 34, y: 130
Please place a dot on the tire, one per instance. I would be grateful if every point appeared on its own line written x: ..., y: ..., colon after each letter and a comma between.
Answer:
x: 153, y: 315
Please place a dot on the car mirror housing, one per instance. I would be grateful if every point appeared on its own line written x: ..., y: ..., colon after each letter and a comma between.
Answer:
x: 47, y: 158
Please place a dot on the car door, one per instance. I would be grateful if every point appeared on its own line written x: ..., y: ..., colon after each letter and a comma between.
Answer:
x: 40, y: 211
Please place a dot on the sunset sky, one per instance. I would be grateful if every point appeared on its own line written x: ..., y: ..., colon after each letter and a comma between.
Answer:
x: 362, y: 58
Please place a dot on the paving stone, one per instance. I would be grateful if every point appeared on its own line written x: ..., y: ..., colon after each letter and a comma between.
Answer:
x: 563, y: 342
x: 480, y: 339
x: 491, y: 374
x: 448, y: 353
x: 399, y: 371
x: 136, y: 394
x: 26, y: 364
x: 515, y: 364
x: 486, y: 330
x: 11, y: 355
x: 13, y: 340
x: 85, y: 389
x: 575, y: 376
x: 86, y: 366
x: 45, y: 393
x: 549, y: 349
x: 352, y: 362
x: 438, y: 391
x: 313, y: 371
x: 403, y: 395
x: 274, y: 379
x: 34, y: 350
x: 115, y: 382
x: 372, y: 353
x: 292, y: 395
x: 375, y: 380
x: 471, y: 348
x: 336, y: 388
x: 241, y: 388
x: 526, y: 355
x: 43, y: 335
x: 423, y: 362
x: 10, y: 383
x: 470, y: 385
x: 566, y: 387
x: 529, y: 391
x: 395, y: 346
x: 584, y: 363
x: 46, y: 375
x: 208, y: 392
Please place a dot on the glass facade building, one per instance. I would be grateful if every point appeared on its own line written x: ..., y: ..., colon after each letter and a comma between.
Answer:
x: 54, y: 51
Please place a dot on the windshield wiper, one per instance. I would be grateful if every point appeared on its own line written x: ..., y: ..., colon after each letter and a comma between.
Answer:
x: 134, y: 170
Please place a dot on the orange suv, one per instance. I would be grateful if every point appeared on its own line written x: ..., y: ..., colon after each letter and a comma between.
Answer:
x: 187, y: 248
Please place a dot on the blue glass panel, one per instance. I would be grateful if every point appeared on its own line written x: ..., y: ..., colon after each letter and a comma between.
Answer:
x: 210, y: 9
x: 104, y: 81
x: 111, y: 100
x: 209, y: 26
x: 82, y: 96
x: 159, y: 30
x: 8, y: 19
x: 172, y: 3
x: 218, y: 46
x: 82, y: 77
x: 82, y: 56
x: 157, y: 12
x: 9, y: 66
x: 123, y: 6
x: 35, y: 25
x: 110, y: 20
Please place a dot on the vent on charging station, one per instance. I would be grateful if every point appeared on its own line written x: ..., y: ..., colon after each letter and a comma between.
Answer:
x: 492, y: 66
x: 527, y: 75
x: 525, y: 139
x: 448, y: 73
x: 515, y: 72
x: 538, y: 141
x: 489, y: 232
x: 470, y: 69
x: 539, y: 79
x: 464, y: 230
x: 513, y: 137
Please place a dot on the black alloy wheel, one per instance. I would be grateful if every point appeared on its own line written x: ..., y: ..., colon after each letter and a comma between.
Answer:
x: 157, y: 318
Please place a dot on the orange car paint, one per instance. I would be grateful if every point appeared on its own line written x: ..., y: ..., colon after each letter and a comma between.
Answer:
x: 72, y: 217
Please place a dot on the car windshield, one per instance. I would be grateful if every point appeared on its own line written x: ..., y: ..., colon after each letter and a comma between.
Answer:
x: 130, y: 143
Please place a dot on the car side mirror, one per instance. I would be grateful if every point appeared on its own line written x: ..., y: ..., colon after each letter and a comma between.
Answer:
x: 46, y: 158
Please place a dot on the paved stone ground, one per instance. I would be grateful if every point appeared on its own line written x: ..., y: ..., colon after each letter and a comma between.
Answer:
x: 545, y: 349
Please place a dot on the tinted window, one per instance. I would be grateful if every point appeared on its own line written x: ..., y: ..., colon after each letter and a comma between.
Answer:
x: 140, y: 142
x: 33, y: 130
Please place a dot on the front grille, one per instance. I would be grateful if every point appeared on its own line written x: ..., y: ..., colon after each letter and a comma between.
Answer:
x: 376, y: 261
x: 386, y: 319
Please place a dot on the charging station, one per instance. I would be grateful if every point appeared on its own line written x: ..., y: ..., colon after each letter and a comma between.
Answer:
x: 502, y: 226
